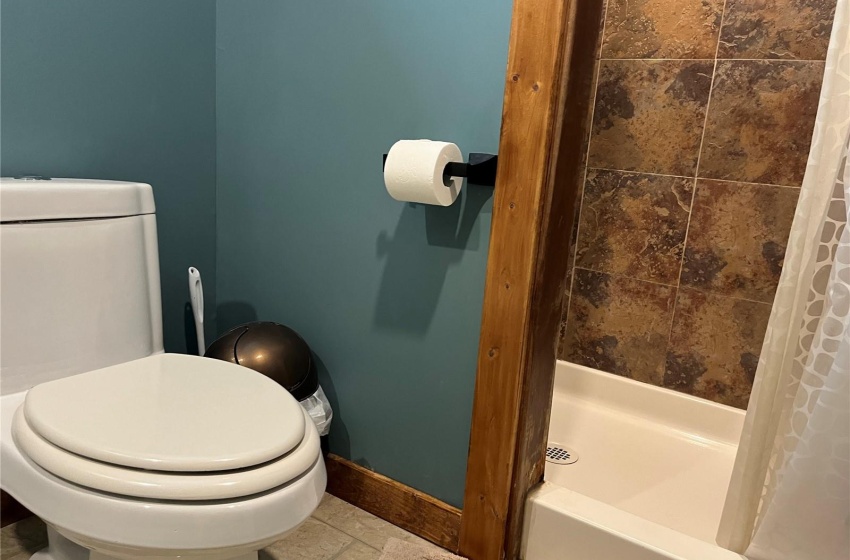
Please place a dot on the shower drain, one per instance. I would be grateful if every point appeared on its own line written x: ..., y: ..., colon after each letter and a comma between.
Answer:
x: 560, y: 455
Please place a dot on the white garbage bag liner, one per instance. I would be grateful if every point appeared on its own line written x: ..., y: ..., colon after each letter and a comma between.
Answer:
x: 319, y: 409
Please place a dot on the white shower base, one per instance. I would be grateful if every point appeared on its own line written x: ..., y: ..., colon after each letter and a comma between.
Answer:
x: 650, y: 480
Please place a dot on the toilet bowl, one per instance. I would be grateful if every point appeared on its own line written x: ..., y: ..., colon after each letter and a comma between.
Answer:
x: 167, y: 456
x: 124, y: 451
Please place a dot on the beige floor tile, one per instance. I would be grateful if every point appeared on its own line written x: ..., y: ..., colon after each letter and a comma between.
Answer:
x: 9, y: 543
x: 313, y: 540
x: 359, y: 551
x: 405, y: 549
x: 362, y: 525
x: 339, y: 531
x: 330, y: 507
x: 423, y: 543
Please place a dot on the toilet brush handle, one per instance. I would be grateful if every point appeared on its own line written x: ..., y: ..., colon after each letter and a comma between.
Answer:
x: 196, y: 297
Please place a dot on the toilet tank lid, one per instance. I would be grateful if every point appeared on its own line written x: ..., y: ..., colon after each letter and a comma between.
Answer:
x: 69, y: 199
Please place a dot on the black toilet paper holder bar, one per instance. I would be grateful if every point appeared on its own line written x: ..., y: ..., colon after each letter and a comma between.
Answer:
x: 479, y: 170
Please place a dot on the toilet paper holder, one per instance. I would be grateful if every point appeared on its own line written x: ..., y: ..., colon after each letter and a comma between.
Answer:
x: 479, y: 170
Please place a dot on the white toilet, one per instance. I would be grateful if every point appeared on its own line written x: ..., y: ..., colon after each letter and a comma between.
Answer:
x: 124, y: 451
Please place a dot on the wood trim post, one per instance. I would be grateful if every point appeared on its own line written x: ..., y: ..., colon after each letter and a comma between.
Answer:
x: 551, y: 58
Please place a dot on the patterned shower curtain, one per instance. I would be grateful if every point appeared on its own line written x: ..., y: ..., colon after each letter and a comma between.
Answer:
x: 789, y: 497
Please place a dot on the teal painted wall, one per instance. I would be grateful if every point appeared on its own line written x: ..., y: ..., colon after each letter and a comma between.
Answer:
x: 120, y: 89
x: 305, y: 97
x: 309, y: 95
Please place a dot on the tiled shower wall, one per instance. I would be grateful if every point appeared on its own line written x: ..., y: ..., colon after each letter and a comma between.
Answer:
x: 702, y: 121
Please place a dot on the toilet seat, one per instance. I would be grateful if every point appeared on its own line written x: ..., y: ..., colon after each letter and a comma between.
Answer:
x: 168, y: 412
x: 163, y: 485
x: 71, y: 415
x: 153, y: 525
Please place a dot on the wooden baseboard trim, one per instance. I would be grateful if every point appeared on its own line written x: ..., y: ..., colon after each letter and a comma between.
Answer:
x: 11, y: 511
x: 401, y: 505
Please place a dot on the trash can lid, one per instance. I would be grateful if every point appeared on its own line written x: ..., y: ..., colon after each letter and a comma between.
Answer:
x: 272, y: 349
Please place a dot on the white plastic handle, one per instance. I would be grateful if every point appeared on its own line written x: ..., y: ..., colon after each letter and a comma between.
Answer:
x: 196, y: 298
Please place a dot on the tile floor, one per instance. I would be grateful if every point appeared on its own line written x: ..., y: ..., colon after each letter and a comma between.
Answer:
x: 336, y: 531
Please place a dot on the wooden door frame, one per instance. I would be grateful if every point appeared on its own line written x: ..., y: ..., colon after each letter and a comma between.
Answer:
x: 545, y: 119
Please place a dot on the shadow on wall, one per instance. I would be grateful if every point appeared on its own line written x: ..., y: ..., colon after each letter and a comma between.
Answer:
x: 413, y: 279
x: 339, y: 438
x: 365, y: 279
x: 232, y: 314
x: 189, y: 331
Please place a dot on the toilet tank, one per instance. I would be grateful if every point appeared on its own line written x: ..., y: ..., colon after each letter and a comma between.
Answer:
x: 79, y: 278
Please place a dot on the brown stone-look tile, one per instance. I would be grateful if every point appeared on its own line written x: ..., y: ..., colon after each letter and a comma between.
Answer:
x: 651, y: 29
x: 737, y: 238
x: 619, y: 325
x: 714, y: 346
x: 760, y: 121
x: 787, y: 29
x: 634, y: 224
x: 649, y: 115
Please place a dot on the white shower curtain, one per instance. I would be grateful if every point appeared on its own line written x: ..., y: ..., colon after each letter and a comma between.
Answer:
x: 789, y: 498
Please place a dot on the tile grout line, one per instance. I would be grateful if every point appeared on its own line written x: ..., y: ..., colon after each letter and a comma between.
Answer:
x: 347, y: 546
x: 626, y: 276
x: 708, y: 101
x: 361, y: 541
x: 724, y: 296
x: 694, y: 193
x: 749, y: 183
x: 577, y: 215
x: 674, y: 286
x: 355, y: 537
x: 641, y: 172
x: 791, y: 60
x: 343, y: 549
x: 351, y: 545
x: 637, y: 172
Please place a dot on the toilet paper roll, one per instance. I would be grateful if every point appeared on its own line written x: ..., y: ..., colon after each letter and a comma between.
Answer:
x: 414, y: 172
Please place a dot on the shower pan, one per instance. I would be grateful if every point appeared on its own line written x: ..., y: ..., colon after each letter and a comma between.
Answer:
x: 634, y: 471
